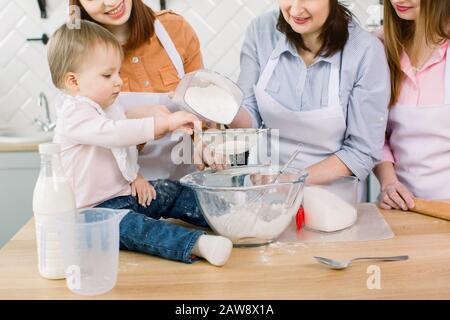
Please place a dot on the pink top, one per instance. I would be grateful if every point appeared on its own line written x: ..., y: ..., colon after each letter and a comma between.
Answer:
x: 86, y: 136
x: 426, y: 88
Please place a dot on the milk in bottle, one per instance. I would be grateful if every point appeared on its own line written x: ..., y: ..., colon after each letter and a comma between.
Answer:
x: 53, y: 198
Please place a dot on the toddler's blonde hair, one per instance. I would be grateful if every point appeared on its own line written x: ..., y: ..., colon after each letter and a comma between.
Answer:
x: 68, y: 47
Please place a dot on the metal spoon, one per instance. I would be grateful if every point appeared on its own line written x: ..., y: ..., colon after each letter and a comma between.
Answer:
x: 339, y: 265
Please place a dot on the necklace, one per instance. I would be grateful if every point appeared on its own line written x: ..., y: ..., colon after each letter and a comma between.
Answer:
x: 416, y: 69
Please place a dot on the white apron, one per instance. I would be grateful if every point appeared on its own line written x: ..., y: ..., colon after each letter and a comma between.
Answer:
x: 156, y: 159
x: 320, y: 131
x: 420, y: 142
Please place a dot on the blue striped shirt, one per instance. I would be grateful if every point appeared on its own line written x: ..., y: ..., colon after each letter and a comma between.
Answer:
x: 364, y: 86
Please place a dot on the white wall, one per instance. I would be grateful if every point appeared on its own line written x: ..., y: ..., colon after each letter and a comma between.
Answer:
x: 220, y: 25
x: 23, y: 65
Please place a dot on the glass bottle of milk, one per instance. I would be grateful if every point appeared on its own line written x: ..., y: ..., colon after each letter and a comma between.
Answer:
x: 53, y: 197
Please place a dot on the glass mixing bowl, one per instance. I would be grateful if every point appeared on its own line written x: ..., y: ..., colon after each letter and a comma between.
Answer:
x: 244, y: 205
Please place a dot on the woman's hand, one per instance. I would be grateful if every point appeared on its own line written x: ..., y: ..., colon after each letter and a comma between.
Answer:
x: 243, y: 119
x: 395, y: 195
x: 214, y: 159
x: 210, y: 125
x: 143, y: 190
x: 204, y: 156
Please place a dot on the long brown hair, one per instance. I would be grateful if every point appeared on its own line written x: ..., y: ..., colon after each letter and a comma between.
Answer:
x: 334, y: 34
x: 398, y: 33
x: 141, y: 22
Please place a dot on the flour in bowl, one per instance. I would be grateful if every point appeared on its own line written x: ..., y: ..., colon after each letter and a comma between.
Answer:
x: 244, y: 222
x: 213, y: 103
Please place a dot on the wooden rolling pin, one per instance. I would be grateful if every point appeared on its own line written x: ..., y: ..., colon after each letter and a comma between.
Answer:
x: 433, y: 208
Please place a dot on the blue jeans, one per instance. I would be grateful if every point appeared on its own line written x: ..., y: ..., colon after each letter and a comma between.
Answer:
x: 142, y: 231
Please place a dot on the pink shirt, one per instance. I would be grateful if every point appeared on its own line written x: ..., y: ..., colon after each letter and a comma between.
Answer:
x: 425, y: 88
x: 86, y: 136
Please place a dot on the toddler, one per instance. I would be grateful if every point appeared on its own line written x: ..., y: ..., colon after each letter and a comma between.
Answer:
x: 99, y: 153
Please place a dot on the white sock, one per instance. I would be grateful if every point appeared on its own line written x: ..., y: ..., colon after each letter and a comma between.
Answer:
x: 215, y: 249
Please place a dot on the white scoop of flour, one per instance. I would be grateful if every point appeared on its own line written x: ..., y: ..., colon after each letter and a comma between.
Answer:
x: 212, y: 102
x: 324, y: 211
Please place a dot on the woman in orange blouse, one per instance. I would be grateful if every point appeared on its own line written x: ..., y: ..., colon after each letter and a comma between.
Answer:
x: 160, y: 47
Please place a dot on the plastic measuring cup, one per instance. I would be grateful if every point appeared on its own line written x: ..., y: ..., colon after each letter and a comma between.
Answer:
x: 203, y: 78
x: 90, y: 249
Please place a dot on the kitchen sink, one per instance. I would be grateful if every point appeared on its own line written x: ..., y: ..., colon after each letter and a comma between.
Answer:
x: 15, y: 135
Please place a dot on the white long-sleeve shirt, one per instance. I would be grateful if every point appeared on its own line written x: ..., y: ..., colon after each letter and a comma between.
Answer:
x: 86, y: 136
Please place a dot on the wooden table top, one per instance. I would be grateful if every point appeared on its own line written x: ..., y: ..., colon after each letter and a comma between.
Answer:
x: 273, y: 272
x: 19, y: 147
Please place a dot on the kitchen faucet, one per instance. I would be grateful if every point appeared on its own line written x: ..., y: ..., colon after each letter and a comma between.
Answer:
x: 47, y: 125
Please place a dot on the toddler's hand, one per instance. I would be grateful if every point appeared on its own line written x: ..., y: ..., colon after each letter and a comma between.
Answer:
x: 396, y: 196
x: 144, y: 191
x: 185, y: 121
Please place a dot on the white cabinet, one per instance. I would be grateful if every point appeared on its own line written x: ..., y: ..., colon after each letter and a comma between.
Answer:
x: 18, y: 174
